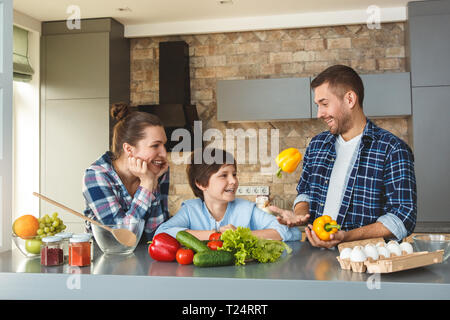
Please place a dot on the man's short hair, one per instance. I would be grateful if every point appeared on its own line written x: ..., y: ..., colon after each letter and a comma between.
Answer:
x: 341, y: 79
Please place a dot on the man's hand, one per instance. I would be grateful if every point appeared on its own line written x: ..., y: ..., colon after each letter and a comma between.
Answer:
x: 288, y: 217
x: 315, y: 241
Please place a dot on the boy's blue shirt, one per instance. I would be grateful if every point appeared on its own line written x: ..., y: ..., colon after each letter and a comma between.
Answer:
x: 194, y: 215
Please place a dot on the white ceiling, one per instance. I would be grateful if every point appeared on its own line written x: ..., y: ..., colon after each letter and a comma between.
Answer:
x: 151, y: 17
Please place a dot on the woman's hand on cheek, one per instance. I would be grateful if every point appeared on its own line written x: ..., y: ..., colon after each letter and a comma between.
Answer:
x: 139, y: 168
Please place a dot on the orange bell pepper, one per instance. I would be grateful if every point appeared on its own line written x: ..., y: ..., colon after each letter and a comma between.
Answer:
x: 324, y: 226
x: 288, y: 160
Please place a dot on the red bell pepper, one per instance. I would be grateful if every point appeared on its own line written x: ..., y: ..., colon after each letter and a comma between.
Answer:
x: 164, y: 247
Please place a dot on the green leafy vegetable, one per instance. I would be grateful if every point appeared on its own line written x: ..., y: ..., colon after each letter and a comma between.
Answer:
x: 269, y: 250
x: 246, y: 246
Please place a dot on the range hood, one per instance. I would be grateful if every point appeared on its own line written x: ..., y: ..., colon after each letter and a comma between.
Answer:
x: 175, y: 109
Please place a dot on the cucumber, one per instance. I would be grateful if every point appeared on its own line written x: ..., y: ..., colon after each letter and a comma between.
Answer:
x: 213, y: 258
x: 190, y: 241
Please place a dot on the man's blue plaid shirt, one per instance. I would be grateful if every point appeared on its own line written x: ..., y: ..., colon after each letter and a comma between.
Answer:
x: 381, y: 185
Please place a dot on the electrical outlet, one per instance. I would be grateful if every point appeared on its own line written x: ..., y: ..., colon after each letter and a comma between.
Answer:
x: 253, y: 191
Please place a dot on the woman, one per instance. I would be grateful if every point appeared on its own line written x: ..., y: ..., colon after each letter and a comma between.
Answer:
x: 131, y: 180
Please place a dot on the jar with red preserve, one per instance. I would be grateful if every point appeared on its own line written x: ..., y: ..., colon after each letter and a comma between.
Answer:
x: 80, y: 251
x: 88, y: 236
x: 52, y: 253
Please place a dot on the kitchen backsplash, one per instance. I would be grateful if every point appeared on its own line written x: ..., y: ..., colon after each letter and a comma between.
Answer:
x: 268, y: 54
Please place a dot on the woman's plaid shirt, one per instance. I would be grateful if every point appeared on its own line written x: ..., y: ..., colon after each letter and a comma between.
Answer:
x: 107, y: 199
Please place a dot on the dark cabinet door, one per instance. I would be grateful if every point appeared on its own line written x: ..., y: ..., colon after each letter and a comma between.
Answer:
x: 387, y: 94
x: 263, y: 99
x: 431, y: 119
x: 429, y: 42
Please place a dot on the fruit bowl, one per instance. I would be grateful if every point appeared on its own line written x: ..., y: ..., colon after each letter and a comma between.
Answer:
x: 109, y: 245
x: 30, y: 246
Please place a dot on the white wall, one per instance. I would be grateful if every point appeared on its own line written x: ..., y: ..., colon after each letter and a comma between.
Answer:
x: 26, y: 127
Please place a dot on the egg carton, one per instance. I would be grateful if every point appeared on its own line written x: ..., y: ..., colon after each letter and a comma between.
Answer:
x: 391, y: 264
x: 362, y: 243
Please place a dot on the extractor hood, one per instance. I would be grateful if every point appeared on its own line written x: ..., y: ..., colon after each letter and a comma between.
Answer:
x: 175, y: 109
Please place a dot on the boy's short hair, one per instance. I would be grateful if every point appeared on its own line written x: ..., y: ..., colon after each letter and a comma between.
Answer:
x: 201, y: 168
x: 341, y: 79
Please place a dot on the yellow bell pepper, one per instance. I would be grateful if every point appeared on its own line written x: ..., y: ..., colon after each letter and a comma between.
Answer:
x: 324, y: 226
x: 288, y: 160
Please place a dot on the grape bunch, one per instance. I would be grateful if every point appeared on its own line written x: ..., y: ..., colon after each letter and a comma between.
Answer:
x: 49, y: 226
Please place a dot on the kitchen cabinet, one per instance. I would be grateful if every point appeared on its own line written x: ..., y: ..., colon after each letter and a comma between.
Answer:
x: 428, y: 43
x: 432, y: 152
x: 83, y: 71
x: 428, y: 39
x: 88, y: 77
x: 263, y: 99
x: 387, y: 94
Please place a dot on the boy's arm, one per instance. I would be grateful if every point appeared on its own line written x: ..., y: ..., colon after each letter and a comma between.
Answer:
x: 201, y: 234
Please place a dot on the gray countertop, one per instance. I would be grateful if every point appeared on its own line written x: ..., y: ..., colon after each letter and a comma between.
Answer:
x: 307, y: 273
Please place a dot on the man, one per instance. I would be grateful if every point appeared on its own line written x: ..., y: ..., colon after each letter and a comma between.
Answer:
x: 357, y: 173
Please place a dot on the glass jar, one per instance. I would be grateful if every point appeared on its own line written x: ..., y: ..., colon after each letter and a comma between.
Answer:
x: 65, y: 239
x: 89, y: 235
x: 52, y: 253
x: 80, y: 251
x: 262, y: 201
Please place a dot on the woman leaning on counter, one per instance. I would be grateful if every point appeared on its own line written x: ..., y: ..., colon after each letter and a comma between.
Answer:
x: 131, y: 180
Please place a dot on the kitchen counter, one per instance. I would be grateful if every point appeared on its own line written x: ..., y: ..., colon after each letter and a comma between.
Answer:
x: 307, y: 273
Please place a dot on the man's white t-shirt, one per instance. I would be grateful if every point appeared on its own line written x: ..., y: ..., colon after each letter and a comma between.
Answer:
x: 346, y: 152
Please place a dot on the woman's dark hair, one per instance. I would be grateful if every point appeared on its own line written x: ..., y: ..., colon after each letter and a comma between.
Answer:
x: 130, y: 126
x: 341, y: 79
x: 201, y: 168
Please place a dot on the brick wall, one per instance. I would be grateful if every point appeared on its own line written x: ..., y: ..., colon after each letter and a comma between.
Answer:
x: 268, y: 54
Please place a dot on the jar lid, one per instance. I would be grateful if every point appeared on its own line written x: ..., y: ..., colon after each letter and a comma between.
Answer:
x: 80, y: 238
x: 51, y: 239
x: 64, y: 235
x: 88, y: 235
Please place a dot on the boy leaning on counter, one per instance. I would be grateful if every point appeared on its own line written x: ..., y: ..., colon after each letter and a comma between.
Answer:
x: 217, y: 209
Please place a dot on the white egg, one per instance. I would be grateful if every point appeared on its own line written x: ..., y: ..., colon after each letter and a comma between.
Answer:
x: 345, y: 253
x: 383, y: 251
x: 371, y: 251
x: 392, y: 242
x: 381, y: 244
x: 358, y: 254
x: 407, y: 247
x: 394, y: 248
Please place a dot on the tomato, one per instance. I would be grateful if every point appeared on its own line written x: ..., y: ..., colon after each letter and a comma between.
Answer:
x: 213, y: 245
x: 214, y: 236
x: 185, y: 256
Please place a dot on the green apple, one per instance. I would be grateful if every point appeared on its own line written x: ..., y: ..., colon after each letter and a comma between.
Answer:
x: 33, y: 246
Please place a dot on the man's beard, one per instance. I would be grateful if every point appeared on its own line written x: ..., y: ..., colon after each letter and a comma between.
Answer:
x: 343, y: 123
